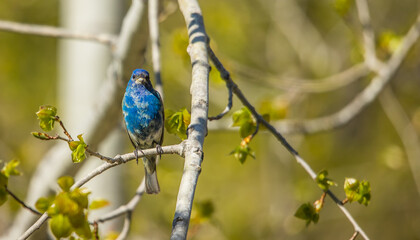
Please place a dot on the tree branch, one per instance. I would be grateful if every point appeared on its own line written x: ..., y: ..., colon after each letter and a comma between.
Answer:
x: 22, y: 202
x: 154, y: 39
x: 49, y: 31
x: 284, y: 142
x: 197, y: 129
x: 405, y: 131
x: 363, y: 99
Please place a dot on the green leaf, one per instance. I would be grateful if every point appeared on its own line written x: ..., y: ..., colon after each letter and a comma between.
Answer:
x: 98, y: 203
x: 40, y: 135
x: 177, y: 122
x: 245, y: 121
x: 65, y: 183
x: 47, y: 117
x: 84, y: 230
x: 357, y: 191
x: 3, y: 195
x: 78, y: 149
x: 65, y: 205
x: 308, y: 213
x: 43, y: 203
x: 10, y: 168
x: 60, y: 226
x: 80, y: 196
x: 241, y: 152
x: 323, y: 182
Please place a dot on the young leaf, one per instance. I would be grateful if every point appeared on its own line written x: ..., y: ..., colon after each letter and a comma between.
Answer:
x: 9, y: 168
x: 80, y: 196
x: 177, y: 122
x: 357, y: 191
x: 78, y: 149
x: 65, y: 183
x: 60, y: 226
x: 323, y: 182
x: 98, y: 203
x: 308, y: 213
x: 43, y: 203
x: 46, y: 116
x: 242, y: 151
x: 40, y: 135
x: 245, y: 121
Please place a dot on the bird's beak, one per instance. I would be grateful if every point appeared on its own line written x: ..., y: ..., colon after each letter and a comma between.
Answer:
x: 140, y: 80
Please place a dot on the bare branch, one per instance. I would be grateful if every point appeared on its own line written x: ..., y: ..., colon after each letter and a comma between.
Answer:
x: 197, y: 129
x: 320, y: 85
x: 224, y: 75
x: 289, y: 148
x: 22, y: 202
x: 363, y: 99
x: 404, y: 129
x: 49, y: 31
x: 368, y: 35
x: 154, y: 38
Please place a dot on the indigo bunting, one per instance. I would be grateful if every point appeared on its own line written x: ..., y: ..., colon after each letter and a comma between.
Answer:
x: 143, y: 116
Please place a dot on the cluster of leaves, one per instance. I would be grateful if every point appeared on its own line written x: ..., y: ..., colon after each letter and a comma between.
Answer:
x: 247, y: 126
x: 47, y: 116
x: 177, y: 122
x: 9, y: 169
x: 68, y: 210
x: 355, y: 191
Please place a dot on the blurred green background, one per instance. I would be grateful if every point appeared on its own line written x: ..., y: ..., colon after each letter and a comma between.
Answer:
x: 261, y: 43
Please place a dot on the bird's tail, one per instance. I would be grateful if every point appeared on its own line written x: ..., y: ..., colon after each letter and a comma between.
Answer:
x: 152, y: 184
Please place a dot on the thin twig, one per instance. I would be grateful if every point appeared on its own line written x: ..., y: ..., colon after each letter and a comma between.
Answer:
x: 57, y: 118
x: 22, y: 202
x: 155, y: 45
x: 49, y: 31
x: 405, y: 130
x: 354, y: 236
x: 368, y: 35
x: 224, y: 75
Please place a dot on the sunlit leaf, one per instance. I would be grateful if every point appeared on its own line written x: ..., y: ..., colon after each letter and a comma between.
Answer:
x: 80, y: 196
x: 46, y: 116
x: 65, y: 183
x: 78, y: 149
x: 9, y: 168
x: 241, y: 152
x: 308, y: 213
x: 65, y: 205
x: 323, y: 182
x: 60, y: 226
x: 357, y: 191
x: 43, y: 203
x: 98, y: 203
x: 177, y: 122
x: 245, y: 121
x: 40, y: 135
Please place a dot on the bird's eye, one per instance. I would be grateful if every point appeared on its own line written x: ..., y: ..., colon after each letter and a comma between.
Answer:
x: 133, y: 77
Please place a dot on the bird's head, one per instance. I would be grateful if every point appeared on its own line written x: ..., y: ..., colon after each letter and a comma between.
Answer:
x: 141, y: 76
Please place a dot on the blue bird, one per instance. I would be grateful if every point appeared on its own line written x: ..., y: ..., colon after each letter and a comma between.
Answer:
x: 144, y: 116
